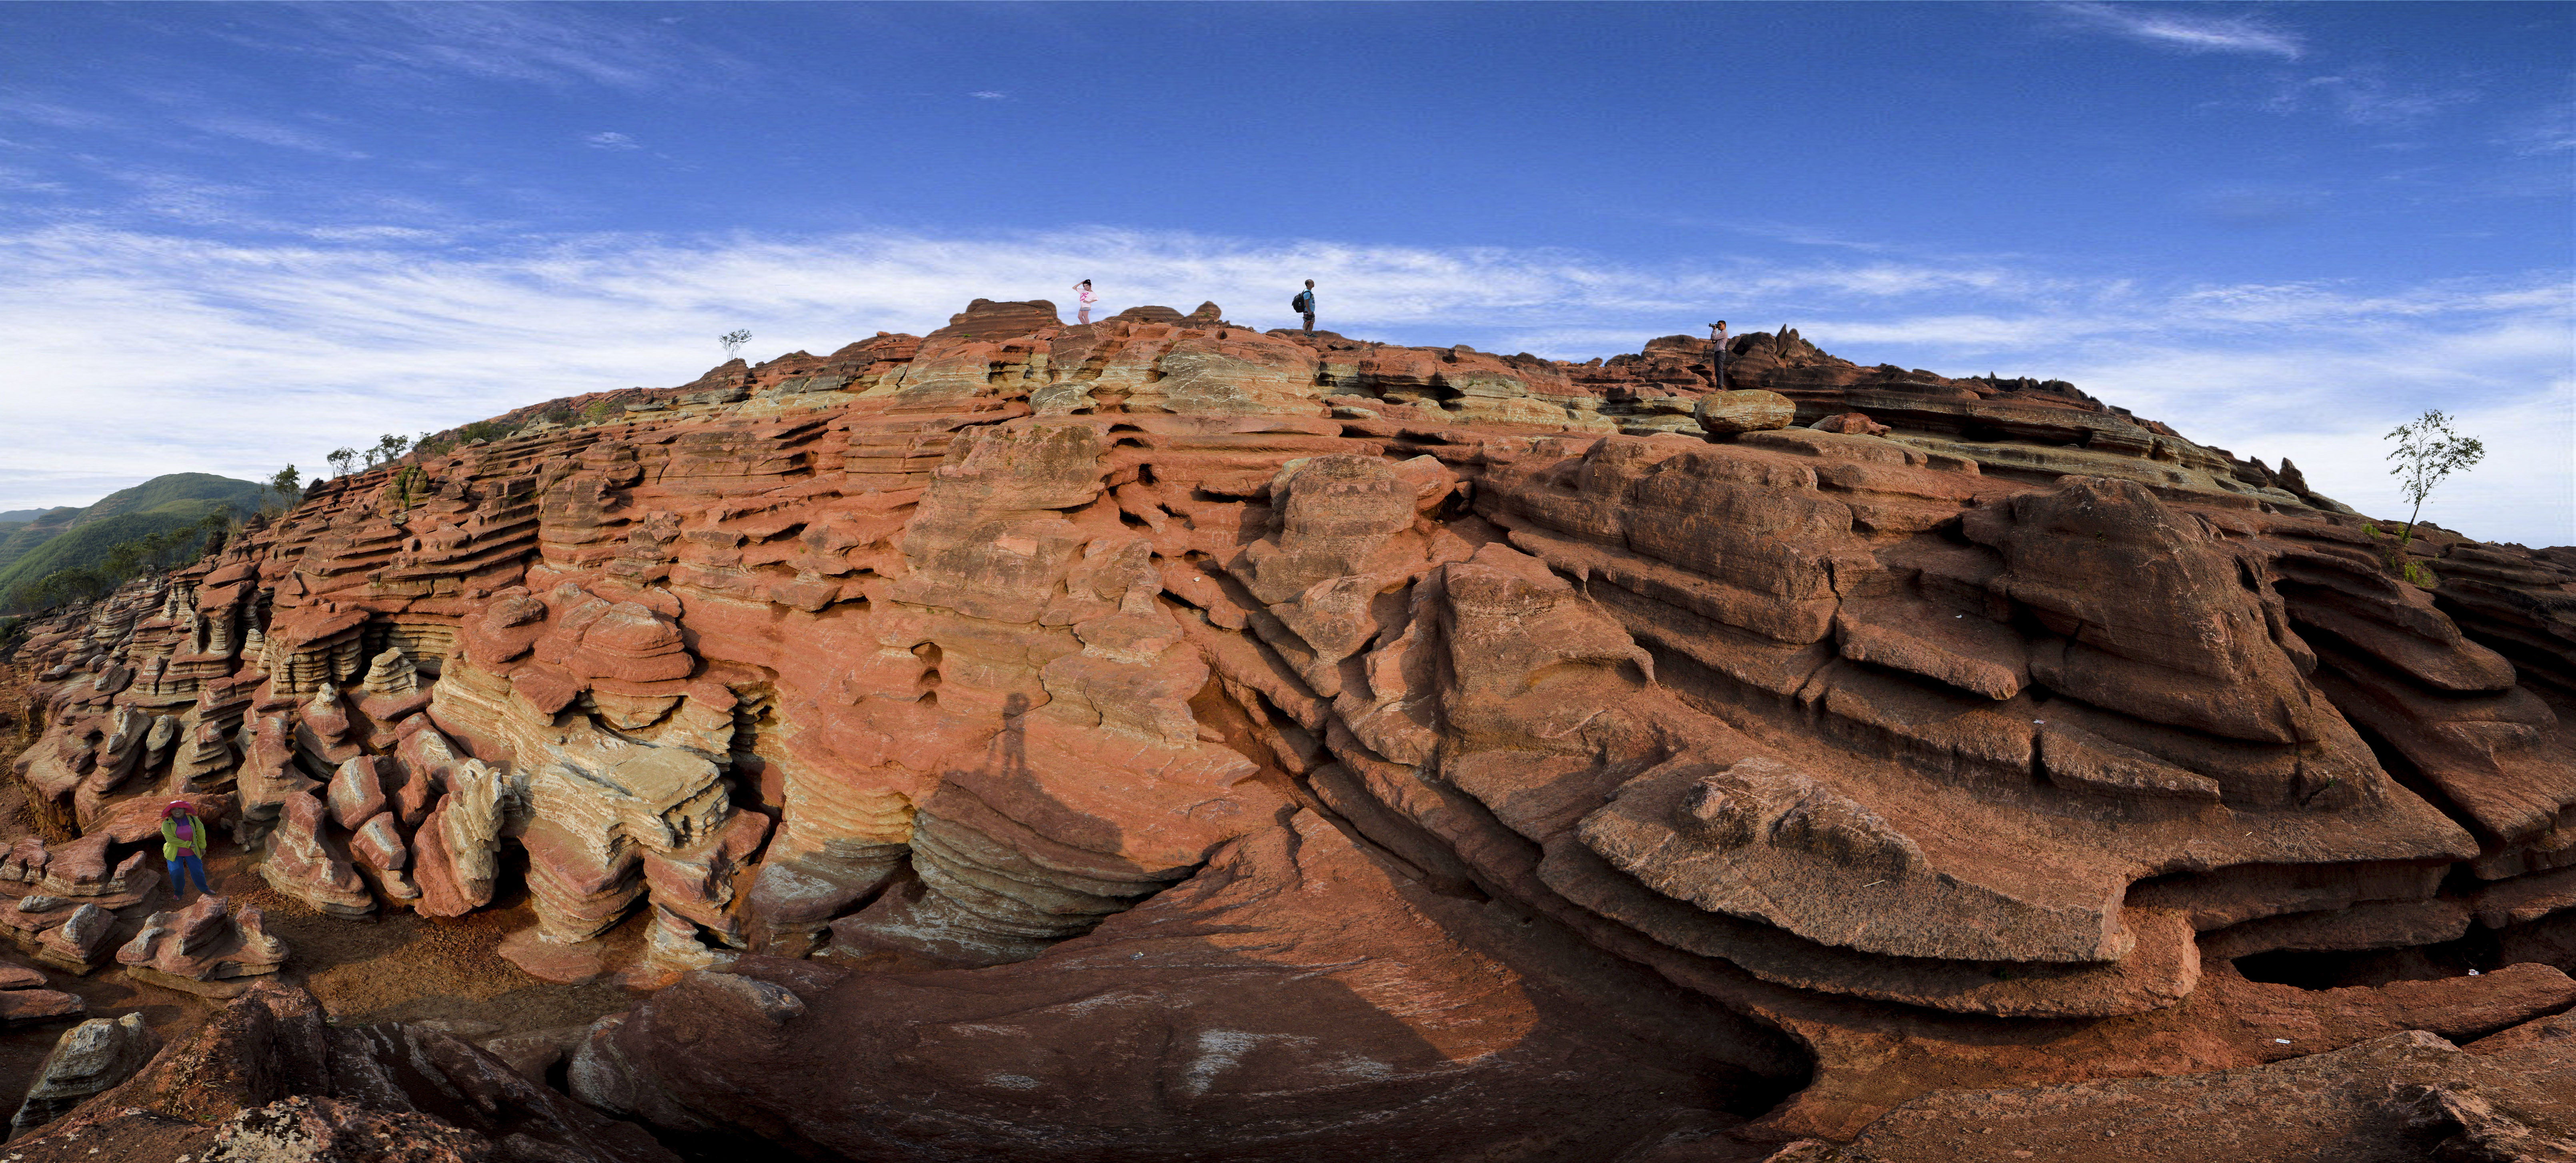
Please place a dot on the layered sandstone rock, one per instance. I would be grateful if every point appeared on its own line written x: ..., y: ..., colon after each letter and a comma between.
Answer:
x: 209, y: 948
x: 1281, y: 738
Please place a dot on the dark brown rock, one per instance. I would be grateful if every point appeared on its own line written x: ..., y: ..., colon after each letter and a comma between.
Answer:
x: 265, y: 1078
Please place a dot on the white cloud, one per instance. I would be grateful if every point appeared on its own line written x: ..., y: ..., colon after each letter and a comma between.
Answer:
x: 610, y: 139
x: 989, y: 95
x: 2184, y: 31
x: 2362, y: 97
x: 265, y: 132
x: 163, y: 354
x: 539, y: 44
x: 2546, y: 130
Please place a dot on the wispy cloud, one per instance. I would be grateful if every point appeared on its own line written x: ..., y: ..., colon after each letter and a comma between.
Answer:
x: 989, y: 95
x: 2184, y: 31
x: 234, y: 358
x: 2364, y: 97
x: 2550, y: 129
x: 50, y: 115
x: 611, y: 139
x: 548, y: 45
x: 265, y: 132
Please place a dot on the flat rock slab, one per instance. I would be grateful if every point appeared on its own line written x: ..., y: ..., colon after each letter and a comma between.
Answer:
x: 21, y: 977
x: 564, y: 964
x: 20, y: 1007
x: 221, y: 989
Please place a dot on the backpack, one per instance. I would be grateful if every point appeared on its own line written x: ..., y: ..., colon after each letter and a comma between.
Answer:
x: 1304, y: 302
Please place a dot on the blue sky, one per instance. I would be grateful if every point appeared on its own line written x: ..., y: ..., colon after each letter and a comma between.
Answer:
x: 233, y: 236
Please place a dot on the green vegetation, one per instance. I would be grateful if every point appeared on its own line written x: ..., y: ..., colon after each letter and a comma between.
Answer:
x: 287, y: 486
x: 389, y: 448
x: 2427, y: 451
x: 187, y: 495
x: 161, y: 522
x: 98, y: 557
x: 408, y: 487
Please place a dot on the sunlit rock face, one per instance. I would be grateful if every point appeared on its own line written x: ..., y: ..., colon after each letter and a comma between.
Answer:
x: 1167, y: 734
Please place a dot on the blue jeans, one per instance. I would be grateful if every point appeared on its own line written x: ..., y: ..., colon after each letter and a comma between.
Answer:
x: 189, y: 864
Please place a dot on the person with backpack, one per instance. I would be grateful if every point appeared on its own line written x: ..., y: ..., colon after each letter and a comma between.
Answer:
x: 1082, y: 292
x: 1304, y: 304
x: 183, y: 847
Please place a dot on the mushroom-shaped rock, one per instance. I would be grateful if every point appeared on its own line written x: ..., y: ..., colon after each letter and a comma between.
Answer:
x: 80, y: 943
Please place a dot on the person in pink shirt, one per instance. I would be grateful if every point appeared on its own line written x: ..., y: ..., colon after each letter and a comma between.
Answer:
x: 183, y: 847
x: 1082, y: 292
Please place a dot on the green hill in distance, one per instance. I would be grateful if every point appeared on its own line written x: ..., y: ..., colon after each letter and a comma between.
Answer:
x: 195, y: 492
x: 66, y: 537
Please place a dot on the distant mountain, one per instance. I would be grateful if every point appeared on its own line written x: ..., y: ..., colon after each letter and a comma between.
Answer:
x: 162, y: 491
x: 64, y: 537
x: 192, y: 494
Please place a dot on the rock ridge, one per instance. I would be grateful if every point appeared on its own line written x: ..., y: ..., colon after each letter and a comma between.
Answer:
x: 1163, y: 733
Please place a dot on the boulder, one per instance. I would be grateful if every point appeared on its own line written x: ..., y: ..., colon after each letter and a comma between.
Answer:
x: 91, y: 1057
x: 307, y: 862
x: 1750, y: 410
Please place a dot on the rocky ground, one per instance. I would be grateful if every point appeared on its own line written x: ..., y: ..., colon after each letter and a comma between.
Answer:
x: 1157, y: 739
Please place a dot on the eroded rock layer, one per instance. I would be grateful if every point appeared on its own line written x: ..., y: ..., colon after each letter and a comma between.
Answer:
x: 1163, y: 734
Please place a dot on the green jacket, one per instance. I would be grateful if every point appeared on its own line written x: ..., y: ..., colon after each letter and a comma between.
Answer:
x: 170, y: 837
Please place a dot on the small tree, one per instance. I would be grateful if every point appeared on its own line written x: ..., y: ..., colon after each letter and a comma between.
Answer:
x: 288, y: 484
x: 733, y: 341
x: 390, y: 447
x: 342, y: 460
x: 2427, y: 451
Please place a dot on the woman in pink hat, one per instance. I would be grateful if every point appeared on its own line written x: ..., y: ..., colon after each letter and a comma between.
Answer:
x: 183, y: 847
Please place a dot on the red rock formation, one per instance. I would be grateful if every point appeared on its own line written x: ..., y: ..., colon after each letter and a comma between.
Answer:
x: 208, y: 948
x: 1295, y: 736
